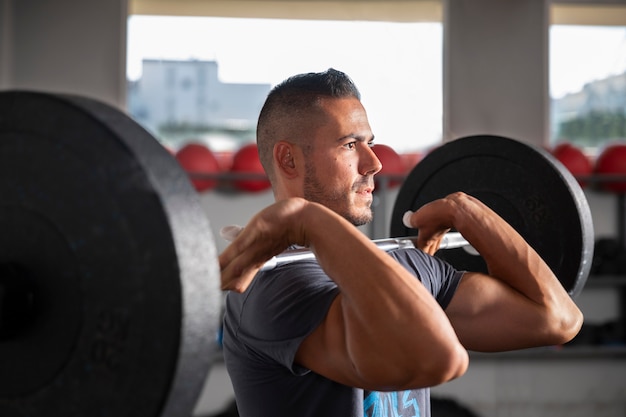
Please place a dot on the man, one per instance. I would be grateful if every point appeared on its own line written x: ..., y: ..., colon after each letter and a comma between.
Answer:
x: 361, y: 331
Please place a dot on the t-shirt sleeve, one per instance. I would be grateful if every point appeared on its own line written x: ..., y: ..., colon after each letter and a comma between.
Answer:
x: 282, y: 308
x: 438, y: 276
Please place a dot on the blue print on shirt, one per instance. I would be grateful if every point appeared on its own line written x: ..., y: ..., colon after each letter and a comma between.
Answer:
x: 387, y: 404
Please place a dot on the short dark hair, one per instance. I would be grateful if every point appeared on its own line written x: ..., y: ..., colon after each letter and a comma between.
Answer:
x: 288, y: 104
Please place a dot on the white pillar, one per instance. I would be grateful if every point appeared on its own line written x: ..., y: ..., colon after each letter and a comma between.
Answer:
x: 69, y: 46
x: 496, y: 69
x: 6, y: 42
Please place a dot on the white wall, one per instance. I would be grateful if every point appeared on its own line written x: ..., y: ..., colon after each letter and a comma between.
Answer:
x: 591, y: 387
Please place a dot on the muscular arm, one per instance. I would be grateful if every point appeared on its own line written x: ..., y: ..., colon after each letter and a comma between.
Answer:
x: 520, y: 303
x: 384, y: 331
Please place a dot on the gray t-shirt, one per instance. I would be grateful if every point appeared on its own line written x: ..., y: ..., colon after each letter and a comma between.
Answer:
x: 264, y: 326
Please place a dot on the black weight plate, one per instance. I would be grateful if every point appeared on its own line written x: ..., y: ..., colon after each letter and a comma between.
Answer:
x: 104, y: 226
x: 525, y: 185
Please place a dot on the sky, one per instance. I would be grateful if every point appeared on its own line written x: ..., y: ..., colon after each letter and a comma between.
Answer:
x: 400, y: 83
x: 580, y: 54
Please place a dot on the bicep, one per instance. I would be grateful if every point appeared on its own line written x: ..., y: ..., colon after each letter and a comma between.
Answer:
x: 342, y: 349
x: 489, y: 315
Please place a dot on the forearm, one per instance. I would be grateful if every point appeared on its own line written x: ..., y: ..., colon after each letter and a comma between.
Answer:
x: 508, y: 256
x: 549, y: 314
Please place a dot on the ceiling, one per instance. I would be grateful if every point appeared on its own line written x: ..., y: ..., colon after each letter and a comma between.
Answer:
x: 579, y: 12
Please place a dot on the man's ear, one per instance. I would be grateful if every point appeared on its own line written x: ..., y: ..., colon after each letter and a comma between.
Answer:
x: 284, y: 157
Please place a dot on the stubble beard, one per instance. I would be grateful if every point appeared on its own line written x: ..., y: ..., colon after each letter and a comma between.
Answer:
x: 335, y: 200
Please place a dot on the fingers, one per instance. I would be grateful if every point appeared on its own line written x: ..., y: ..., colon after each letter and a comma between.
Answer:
x: 233, y: 278
x: 237, y: 263
x: 268, y: 233
x: 238, y: 267
x: 431, y: 229
x: 262, y: 238
x: 424, y: 243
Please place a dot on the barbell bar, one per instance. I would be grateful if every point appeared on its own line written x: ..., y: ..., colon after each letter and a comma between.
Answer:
x: 109, y: 279
x: 451, y: 240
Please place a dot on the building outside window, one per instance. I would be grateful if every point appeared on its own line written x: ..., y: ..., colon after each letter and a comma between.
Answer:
x: 397, y: 67
x: 588, y: 85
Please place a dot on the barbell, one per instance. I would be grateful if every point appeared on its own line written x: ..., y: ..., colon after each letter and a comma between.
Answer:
x: 450, y: 240
x: 110, y: 296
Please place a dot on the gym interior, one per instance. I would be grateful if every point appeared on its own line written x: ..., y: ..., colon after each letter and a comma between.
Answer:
x: 79, y: 47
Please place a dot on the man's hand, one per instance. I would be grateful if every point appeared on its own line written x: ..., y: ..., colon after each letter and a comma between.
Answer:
x: 268, y: 233
x: 520, y: 303
x: 433, y: 220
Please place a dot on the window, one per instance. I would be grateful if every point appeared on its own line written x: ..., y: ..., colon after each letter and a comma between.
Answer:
x: 396, y: 65
x: 588, y: 84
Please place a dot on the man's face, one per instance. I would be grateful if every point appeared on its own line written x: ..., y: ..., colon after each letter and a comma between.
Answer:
x: 340, y: 169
